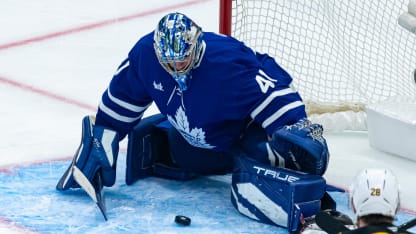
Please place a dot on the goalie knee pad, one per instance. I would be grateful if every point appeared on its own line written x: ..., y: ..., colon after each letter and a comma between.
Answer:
x: 148, y: 152
x: 276, y: 196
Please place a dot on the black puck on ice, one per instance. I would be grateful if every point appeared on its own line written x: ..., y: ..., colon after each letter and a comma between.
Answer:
x: 182, y: 220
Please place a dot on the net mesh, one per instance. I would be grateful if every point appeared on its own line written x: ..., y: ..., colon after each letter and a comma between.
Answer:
x: 337, y: 51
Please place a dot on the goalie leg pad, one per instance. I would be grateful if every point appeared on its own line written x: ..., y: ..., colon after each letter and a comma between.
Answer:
x: 140, y: 150
x: 148, y: 152
x: 276, y: 196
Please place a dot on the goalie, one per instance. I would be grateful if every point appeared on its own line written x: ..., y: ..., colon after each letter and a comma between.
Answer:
x: 222, y: 106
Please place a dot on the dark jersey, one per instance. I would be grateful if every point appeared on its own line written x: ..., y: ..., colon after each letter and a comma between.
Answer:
x: 230, y: 84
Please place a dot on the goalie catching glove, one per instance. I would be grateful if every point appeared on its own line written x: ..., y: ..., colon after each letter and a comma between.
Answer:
x: 97, y: 153
x: 300, y: 147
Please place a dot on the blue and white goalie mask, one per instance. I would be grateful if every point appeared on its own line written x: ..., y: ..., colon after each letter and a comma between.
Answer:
x: 178, y: 46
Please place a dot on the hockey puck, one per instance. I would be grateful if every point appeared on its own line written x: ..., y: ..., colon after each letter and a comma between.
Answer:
x: 182, y: 220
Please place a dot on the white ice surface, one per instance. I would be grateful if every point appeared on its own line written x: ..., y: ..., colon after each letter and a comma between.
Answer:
x: 47, y: 86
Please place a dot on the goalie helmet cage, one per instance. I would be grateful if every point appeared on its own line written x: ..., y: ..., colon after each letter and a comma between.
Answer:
x: 341, y: 54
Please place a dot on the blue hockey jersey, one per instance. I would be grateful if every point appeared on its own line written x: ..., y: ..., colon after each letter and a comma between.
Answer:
x: 231, y: 84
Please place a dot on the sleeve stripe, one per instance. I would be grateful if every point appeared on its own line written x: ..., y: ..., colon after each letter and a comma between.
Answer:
x: 126, y: 105
x: 269, y: 99
x: 122, y: 67
x: 280, y: 112
x: 116, y: 116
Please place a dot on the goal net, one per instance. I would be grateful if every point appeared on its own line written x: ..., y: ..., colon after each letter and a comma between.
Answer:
x: 342, y: 55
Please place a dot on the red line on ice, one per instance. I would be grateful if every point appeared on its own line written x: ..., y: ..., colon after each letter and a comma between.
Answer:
x: 46, y: 93
x: 6, y: 223
x: 97, y: 25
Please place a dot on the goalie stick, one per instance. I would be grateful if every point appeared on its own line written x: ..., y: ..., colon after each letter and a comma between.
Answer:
x: 94, y: 188
x: 409, y: 224
x: 329, y: 224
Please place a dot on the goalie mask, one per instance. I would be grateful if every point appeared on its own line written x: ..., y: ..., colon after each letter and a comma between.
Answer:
x: 178, y: 46
x: 375, y: 191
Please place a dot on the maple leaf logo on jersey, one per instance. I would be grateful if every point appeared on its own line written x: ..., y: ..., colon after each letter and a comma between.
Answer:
x: 194, y: 136
x: 158, y: 86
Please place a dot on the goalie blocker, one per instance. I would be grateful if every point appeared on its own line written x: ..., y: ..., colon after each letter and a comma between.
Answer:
x: 94, y: 163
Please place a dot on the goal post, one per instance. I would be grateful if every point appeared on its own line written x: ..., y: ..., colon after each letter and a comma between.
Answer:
x: 225, y: 17
x: 342, y: 55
